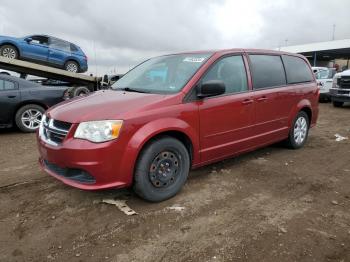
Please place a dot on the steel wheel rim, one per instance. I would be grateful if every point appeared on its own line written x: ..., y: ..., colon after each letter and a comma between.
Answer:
x: 31, y: 118
x: 71, y: 67
x: 300, y: 130
x: 165, y: 169
x: 9, y: 53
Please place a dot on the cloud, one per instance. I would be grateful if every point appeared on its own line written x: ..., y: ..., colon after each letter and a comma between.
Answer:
x: 117, y: 35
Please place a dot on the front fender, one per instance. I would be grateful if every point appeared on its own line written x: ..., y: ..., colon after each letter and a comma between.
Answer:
x: 152, y: 129
x: 11, y: 42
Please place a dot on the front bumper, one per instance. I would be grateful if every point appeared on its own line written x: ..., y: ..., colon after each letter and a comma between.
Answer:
x: 340, y: 94
x: 84, y: 165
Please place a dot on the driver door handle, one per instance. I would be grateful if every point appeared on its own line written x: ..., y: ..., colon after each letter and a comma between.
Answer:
x: 261, y: 99
x: 247, y: 101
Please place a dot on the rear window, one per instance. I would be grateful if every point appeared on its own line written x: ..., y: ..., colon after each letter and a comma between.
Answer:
x: 267, y: 71
x: 73, y: 48
x: 297, y: 70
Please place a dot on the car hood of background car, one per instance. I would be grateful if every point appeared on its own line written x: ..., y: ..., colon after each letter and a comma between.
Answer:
x: 104, y: 105
x: 2, y: 37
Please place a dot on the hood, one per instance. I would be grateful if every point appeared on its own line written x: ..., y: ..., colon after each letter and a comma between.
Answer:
x: 103, y: 105
x: 2, y: 37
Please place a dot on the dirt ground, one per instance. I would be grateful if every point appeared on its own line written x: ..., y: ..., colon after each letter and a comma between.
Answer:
x: 274, y: 204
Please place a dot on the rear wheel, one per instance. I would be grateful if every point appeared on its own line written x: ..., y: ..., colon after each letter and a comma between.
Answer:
x: 161, y: 169
x: 72, y: 66
x: 337, y: 104
x: 80, y: 91
x: 299, y: 131
x: 9, y: 51
x: 28, y: 117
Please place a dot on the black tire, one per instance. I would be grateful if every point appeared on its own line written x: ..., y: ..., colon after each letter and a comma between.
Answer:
x: 72, y: 66
x: 9, y: 51
x: 337, y: 103
x: 25, y: 125
x: 80, y: 91
x: 150, y: 182
x: 292, y: 140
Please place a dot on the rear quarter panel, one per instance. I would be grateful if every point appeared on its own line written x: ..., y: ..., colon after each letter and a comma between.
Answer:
x: 43, y: 95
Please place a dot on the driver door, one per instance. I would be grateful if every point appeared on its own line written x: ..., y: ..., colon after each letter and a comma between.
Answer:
x: 36, y: 49
x: 226, y: 121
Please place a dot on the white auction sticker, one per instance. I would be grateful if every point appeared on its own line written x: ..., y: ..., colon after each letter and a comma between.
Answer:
x: 194, y: 59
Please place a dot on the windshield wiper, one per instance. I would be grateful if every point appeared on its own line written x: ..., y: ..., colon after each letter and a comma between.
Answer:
x: 129, y: 89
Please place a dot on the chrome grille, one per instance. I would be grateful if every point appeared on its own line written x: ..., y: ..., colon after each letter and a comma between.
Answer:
x: 344, y: 82
x: 54, y: 131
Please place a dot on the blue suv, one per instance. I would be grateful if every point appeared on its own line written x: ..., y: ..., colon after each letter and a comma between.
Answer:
x: 46, y: 50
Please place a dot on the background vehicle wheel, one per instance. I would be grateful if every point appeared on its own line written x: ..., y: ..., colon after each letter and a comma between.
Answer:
x: 299, y: 131
x: 28, y: 117
x: 337, y: 104
x: 80, y: 91
x: 162, y: 169
x: 72, y: 66
x: 9, y: 51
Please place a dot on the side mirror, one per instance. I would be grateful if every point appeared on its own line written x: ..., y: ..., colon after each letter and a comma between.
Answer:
x: 28, y: 40
x: 211, y: 88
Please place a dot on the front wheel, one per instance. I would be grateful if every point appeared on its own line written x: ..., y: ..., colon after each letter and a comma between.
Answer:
x: 337, y: 104
x: 161, y: 170
x: 299, y: 131
x: 9, y: 51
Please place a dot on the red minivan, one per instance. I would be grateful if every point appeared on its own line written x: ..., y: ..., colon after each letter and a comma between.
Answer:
x: 176, y: 112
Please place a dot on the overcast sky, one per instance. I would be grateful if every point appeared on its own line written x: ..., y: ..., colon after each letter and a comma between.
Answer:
x: 118, y: 34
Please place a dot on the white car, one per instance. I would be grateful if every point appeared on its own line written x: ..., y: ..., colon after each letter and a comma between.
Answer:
x: 324, y: 76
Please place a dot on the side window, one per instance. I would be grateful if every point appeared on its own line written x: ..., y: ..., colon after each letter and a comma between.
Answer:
x: 297, y: 70
x: 73, y: 48
x: 231, y: 71
x: 6, y: 85
x: 59, y: 44
x: 39, y: 39
x: 267, y: 71
x: 9, y: 85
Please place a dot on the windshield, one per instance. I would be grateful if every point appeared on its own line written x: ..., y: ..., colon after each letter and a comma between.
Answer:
x: 165, y: 74
x: 325, y: 73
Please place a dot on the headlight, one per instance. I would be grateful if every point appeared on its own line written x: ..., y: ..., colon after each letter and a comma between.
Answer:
x: 99, y: 131
x: 335, y: 81
x: 41, y: 126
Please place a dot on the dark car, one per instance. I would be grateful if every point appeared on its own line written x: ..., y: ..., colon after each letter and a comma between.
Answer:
x: 176, y: 112
x: 45, y: 49
x: 23, y: 103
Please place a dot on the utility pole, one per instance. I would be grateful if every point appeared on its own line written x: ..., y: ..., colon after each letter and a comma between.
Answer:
x: 333, y: 35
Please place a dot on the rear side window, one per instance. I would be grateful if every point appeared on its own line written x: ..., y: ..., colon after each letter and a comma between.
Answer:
x: 59, y: 44
x: 231, y: 71
x: 297, y: 70
x: 7, y: 85
x: 267, y: 71
x: 73, y: 48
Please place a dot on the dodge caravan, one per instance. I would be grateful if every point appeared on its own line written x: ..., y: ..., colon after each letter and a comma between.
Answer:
x: 174, y: 113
